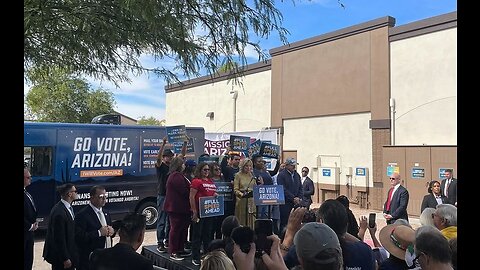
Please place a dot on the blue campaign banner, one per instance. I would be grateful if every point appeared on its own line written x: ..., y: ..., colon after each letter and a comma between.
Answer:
x: 211, y: 206
x: 239, y: 143
x: 254, y: 148
x: 268, y: 195
x: 177, y: 146
x: 176, y: 134
x: 208, y: 159
x: 225, y: 189
x: 269, y: 150
x: 326, y: 172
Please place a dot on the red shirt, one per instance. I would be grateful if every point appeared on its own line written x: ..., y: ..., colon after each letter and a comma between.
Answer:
x: 205, y: 188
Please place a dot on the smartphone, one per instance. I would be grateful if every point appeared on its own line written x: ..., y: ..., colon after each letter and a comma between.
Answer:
x: 262, y: 229
x: 371, y: 220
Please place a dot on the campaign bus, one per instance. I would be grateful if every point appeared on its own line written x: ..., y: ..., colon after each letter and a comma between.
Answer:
x: 119, y: 157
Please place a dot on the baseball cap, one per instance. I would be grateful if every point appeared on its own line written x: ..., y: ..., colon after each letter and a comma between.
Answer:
x: 190, y: 163
x: 291, y: 161
x: 168, y: 153
x: 312, y: 239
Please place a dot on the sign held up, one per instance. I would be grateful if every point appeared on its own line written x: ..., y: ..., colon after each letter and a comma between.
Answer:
x: 268, y: 195
x: 211, y: 206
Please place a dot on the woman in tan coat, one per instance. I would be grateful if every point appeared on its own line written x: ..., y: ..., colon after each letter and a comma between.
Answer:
x: 243, y: 183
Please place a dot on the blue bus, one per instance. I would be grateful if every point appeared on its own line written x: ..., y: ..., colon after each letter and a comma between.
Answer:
x: 119, y: 157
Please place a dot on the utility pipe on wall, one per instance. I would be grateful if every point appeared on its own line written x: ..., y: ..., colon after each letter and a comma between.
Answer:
x: 234, y: 97
x: 392, y: 121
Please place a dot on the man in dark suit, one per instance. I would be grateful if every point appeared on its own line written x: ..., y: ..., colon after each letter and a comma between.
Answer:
x: 292, y: 187
x: 308, y: 188
x: 397, y: 201
x: 449, y: 187
x: 90, y: 233
x: 30, y: 223
x: 123, y: 256
x: 60, y: 249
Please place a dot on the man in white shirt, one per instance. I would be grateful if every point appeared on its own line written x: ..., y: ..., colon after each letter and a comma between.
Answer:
x: 449, y: 187
x: 93, y: 228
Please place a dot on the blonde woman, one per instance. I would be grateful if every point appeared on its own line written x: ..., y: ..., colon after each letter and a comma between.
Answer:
x: 216, y: 259
x: 242, y: 184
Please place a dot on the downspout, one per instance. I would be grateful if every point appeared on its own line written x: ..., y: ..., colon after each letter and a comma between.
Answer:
x: 234, y: 97
x: 392, y: 121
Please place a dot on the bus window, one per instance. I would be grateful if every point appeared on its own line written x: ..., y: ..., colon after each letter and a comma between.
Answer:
x: 41, y: 161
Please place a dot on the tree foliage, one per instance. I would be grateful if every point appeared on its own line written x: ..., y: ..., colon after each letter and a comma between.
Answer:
x: 104, y: 39
x: 150, y: 121
x: 57, y: 96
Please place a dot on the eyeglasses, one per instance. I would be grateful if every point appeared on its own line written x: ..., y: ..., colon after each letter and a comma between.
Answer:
x: 102, y: 196
x: 304, y: 172
x: 205, y: 170
x: 392, y: 178
x: 217, y: 169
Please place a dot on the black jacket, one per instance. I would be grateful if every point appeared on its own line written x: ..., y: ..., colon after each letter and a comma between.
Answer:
x: 87, y: 225
x: 60, y: 240
x: 120, y: 257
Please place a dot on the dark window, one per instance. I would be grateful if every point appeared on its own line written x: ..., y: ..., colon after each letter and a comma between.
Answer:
x: 40, y: 161
x: 112, y: 119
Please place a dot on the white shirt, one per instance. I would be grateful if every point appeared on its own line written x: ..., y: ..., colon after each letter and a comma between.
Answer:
x: 68, y: 206
x: 96, y: 210
x: 303, y: 179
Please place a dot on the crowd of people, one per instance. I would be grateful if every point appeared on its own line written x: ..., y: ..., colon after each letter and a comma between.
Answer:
x: 302, y: 238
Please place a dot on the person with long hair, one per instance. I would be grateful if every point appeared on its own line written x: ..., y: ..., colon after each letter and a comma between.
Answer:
x: 242, y: 185
x: 201, y: 186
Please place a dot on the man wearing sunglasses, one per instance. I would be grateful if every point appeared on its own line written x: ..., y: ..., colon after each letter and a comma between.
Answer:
x: 93, y: 228
x: 60, y: 249
x: 395, y: 206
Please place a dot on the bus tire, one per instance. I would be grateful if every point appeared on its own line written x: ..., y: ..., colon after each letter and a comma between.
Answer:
x: 149, y: 209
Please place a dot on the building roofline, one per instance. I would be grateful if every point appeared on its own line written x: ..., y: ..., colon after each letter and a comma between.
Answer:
x: 429, y: 25
x: 249, y: 69
x: 338, y: 34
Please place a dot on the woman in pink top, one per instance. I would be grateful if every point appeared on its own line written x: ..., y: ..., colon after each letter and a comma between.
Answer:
x: 202, y: 186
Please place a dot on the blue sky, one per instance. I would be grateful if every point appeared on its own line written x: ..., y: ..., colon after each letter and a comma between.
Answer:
x: 145, y: 95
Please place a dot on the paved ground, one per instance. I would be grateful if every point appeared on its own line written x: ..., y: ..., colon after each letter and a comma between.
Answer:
x: 151, y: 239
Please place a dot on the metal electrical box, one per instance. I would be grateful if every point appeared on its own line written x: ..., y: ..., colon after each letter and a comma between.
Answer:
x: 329, y: 175
x: 360, y: 177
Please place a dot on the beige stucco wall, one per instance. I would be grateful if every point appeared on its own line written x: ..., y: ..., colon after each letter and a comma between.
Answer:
x: 348, y: 136
x: 424, y: 86
x: 190, y: 106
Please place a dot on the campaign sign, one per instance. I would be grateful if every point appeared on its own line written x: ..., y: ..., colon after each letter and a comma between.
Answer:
x: 239, y: 143
x: 225, y: 189
x: 269, y: 150
x: 177, y: 146
x: 326, y: 172
x: 211, y: 206
x: 208, y: 159
x: 176, y: 134
x: 268, y: 195
x: 254, y: 148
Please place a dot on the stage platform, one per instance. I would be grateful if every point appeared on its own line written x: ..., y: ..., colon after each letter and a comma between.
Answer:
x: 163, y: 259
